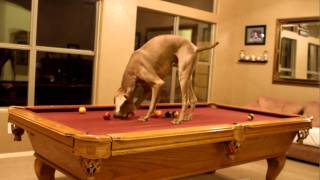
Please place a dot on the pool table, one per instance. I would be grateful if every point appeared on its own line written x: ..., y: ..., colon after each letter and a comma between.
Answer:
x: 86, y: 146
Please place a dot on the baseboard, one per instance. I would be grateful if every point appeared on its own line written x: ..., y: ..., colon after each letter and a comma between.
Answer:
x: 16, y: 154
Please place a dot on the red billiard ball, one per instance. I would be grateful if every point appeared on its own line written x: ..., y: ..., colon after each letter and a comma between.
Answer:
x: 107, y: 116
x: 130, y: 115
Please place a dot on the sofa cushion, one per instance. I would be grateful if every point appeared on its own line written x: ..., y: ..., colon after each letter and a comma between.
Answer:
x: 313, y: 109
x: 279, y: 105
x: 292, y: 108
x: 271, y: 104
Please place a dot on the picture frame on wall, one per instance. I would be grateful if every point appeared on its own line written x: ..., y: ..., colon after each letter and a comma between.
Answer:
x: 255, y: 35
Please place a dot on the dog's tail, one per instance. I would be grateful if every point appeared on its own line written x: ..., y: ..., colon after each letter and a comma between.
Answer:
x: 208, y: 47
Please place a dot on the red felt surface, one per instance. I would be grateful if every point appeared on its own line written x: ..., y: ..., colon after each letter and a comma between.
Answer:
x: 92, y: 122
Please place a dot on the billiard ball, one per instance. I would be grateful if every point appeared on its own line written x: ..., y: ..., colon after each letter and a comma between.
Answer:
x: 157, y: 113
x: 250, y: 116
x: 82, y: 109
x: 168, y: 114
x: 175, y: 114
x: 130, y: 115
x: 107, y: 116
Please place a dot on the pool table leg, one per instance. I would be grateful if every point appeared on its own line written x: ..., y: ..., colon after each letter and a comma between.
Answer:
x: 275, y: 165
x: 43, y: 171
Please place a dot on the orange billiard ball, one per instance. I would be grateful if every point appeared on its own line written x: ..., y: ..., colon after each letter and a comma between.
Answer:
x: 107, y: 116
x: 158, y: 113
x: 175, y: 114
x: 82, y: 109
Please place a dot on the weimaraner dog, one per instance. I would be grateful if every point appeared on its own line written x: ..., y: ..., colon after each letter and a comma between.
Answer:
x: 149, y: 65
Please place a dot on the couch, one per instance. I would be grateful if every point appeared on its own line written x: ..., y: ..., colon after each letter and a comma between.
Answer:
x: 308, y: 150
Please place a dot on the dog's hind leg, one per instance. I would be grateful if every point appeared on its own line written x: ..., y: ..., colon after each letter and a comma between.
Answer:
x: 184, y: 103
x: 185, y: 70
x: 192, y: 100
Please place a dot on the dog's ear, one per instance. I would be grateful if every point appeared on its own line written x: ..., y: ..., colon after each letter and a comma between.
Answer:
x: 119, y: 100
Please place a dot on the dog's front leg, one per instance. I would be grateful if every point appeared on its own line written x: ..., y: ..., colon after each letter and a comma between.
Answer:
x: 155, y: 92
x: 146, y: 92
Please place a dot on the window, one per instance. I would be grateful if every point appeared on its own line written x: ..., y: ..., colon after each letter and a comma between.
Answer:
x: 14, y: 63
x: 13, y: 77
x: 313, y: 62
x: 51, y: 63
x: 72, y: 23
x: 63, y: 79
x: 206, y: 5
x: 287, y: 58
x: 197, y: 32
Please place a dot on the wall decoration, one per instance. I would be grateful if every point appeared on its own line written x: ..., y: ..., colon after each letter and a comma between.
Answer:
x: 255, y: 35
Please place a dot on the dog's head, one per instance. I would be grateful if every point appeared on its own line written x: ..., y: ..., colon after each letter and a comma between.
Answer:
x: 123, y: 105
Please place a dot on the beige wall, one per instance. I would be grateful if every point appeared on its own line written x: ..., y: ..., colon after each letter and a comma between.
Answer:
x: 6, y: 140
x: 117, y: 44
x: 237, y: 83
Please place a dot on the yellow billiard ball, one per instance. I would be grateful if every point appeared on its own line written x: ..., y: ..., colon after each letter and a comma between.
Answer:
x: 82, y: 110
x: 158, y: 113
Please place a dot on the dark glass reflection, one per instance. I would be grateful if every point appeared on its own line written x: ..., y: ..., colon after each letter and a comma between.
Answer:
x: 66, y: 24
x: 63, y: 79
x: 13, y: 77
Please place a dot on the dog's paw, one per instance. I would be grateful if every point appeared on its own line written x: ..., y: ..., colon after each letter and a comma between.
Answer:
x: 143, y: 119
x: 188, y: 117
x: 176, y: 121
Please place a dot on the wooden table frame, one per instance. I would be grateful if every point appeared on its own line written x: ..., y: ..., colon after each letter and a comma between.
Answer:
x: 85, y: 156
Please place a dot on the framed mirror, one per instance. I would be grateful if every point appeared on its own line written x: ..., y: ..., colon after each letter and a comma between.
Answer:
x: 297, y: 52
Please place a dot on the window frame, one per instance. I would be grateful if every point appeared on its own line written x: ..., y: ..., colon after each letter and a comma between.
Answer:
x: 214, y: 6
x: 33, y: 48
x: 291, y: 69
x: 310, y: 71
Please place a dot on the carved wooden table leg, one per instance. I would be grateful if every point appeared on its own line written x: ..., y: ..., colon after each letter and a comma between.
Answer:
x: 17, y: 132
x: 43, y: 171
x: 275, y: 165
x: 90, y: 167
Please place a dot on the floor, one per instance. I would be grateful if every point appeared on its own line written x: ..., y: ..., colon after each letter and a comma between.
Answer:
x: 22, y: 169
